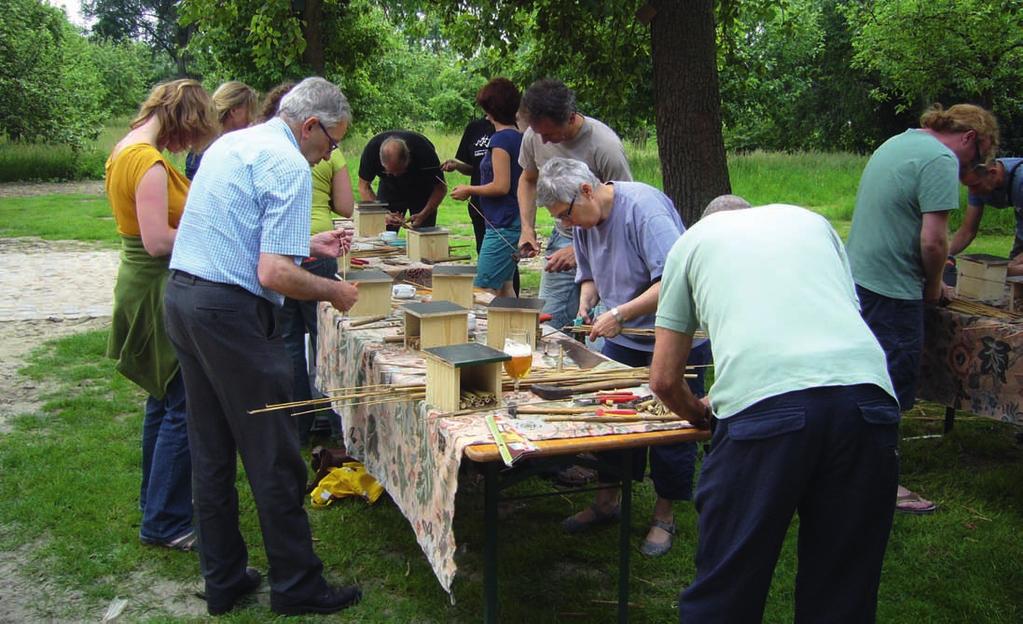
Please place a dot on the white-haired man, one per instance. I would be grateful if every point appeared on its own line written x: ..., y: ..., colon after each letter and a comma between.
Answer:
x: 246, y: 228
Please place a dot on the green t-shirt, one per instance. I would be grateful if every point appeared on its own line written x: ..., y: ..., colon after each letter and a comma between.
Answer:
x: 772, y: 289
x: 323, y: 174
x: 910, y: 174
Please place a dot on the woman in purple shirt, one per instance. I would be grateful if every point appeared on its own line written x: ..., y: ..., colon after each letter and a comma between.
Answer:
x: 623, y: 232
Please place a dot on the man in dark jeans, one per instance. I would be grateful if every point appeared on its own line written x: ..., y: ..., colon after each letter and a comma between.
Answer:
x: 247, y: 221
x: 898, y: 244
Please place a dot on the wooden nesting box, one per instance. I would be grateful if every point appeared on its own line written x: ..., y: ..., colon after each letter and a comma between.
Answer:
x: 374, y: 293
x: 370, y: 218
x: 455, y: 369
x: 435, y: 324
x: 981, y: 277
x: 505, y: 314
x: 428, y: 243
x: 1015, y: 294
x: 453, y: 282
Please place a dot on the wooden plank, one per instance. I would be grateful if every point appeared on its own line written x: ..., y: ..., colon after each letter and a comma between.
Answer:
x: 572, y: 446
x: 454, y: 288
x: 980, y: 289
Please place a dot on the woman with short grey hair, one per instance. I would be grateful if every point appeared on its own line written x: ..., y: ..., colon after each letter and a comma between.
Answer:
x: 623, y: 232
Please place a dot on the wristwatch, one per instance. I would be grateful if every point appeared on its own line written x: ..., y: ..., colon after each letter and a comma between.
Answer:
x: 615, y: 312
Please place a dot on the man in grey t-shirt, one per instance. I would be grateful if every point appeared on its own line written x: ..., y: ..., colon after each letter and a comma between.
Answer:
x: 556, y: 129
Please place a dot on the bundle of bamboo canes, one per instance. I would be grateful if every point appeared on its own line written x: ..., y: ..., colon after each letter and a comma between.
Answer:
x: 974, y: 308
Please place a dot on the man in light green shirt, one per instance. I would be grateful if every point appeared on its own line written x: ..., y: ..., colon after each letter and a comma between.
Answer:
x: 807, y: 419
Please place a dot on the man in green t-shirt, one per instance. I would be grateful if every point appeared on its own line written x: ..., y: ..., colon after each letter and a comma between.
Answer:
x: 899, y: 239
x: 806, y: 416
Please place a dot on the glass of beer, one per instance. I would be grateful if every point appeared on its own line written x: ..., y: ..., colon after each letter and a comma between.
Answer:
x: 516, y: 344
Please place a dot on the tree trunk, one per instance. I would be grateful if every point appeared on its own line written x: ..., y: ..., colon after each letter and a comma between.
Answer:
x: 687, y: 104
x: 313, y: 17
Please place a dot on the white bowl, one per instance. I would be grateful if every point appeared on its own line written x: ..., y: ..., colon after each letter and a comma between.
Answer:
x: 388, y: 237
x: 403, y: 291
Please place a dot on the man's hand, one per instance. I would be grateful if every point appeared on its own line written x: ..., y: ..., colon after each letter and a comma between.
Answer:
x: 449, y: 165
x: 460, y: 192
x: 606, y: 325
x: 933, y: 293
x: 345, y: 295
x: 419, y: 218
x: 561, y: 260
x: 528, y: 245
x: 330, y: 244
x: 394, y: 218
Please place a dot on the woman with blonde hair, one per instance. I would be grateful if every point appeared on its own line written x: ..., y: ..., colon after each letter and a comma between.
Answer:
x: 235, y: 103
x: 147, y: 196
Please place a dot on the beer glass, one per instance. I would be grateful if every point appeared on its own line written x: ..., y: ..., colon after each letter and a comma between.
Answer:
x: 516, y: 344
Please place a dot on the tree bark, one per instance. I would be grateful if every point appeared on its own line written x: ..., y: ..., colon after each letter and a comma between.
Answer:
x: 687, y: 105
x: 313, y: 17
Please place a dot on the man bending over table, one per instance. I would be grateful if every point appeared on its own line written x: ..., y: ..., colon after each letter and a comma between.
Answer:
x: 245, y: 229
x: 807, y: 419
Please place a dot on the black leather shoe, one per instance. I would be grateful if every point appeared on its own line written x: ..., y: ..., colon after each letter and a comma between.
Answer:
x: 249, y: 583
x: 329, y: 600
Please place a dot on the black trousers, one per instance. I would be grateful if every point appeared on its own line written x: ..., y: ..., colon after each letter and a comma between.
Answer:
x: 830, y: 455
x: 233, y: 360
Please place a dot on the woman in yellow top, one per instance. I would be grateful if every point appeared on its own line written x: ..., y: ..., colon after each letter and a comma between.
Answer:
x: 235, y: 103
x: 147, y: 195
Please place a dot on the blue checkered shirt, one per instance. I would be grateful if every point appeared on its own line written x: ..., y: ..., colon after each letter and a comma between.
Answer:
x: 251, y: 195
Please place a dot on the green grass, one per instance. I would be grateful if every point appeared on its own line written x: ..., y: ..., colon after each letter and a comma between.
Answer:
x: 70, y: 479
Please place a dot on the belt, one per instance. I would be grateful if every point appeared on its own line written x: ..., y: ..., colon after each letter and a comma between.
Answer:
x: 187, y: 278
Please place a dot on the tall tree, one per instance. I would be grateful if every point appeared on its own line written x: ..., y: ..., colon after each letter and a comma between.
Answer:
x: 152, y: 21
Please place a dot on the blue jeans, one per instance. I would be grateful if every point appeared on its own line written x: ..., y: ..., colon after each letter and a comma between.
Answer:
x: 898, y: 325
x: 298, y: 318
x: 559, y: 290
x: 828, y: 454
x: 165, y: 497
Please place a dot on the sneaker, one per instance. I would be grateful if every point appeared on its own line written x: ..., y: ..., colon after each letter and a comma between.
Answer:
x: 249, y: 583
x: 329, y: 600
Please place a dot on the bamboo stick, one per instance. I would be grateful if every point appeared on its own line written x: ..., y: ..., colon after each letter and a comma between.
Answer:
x: 367, y: 320
x: 613, y: 419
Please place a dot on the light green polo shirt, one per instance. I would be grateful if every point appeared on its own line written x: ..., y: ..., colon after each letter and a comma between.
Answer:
x: 323, y: 174
x: 910, y: 174
x: 772, y: 289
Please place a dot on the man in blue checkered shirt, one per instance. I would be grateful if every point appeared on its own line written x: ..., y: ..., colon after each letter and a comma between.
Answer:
x: 236, y: 254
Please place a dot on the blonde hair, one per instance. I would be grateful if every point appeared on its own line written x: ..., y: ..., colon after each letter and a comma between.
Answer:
x: 185, y: 112
x: 230, y: 96
x: 963, y: 118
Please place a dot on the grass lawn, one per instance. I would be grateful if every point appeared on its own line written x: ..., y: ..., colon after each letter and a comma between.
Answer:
x: 70, y: 478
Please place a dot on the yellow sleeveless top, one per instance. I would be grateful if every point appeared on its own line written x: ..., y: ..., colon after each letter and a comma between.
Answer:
x: 123, y: 174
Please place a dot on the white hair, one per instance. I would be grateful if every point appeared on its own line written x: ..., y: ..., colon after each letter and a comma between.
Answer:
x: 560, y: 179
x: 315, y: 97
x: 722, y: 203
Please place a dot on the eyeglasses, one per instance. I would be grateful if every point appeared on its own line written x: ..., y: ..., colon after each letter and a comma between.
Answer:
x: 330, y: 139
x: 565, y: 216
x: 978, y: 160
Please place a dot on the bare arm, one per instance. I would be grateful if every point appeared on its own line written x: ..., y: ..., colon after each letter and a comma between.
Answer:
x: 588, y: 298
x: 341, y: 198
x: 967, y: 230
x: 646, y: 303
x: 933, y: 253
x: 366, y: 191
x: 453, y: 164
x: 280, y: 274
x: 527, y: 211
x: 151, y: 212
x: 671, y: 350
x: 495, y: 188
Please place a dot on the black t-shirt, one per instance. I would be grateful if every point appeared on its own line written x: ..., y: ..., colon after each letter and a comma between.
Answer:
x: 474, y: 144
x: 412, y: 189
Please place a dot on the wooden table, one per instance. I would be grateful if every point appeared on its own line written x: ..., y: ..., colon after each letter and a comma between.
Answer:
x: 495, y: 481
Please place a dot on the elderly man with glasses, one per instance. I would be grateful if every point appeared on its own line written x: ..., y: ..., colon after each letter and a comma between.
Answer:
x: 622, y: 233
x: 411, y: 180
x: 898, y: 243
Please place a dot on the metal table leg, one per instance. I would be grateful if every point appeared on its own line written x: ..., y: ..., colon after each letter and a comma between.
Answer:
x: 623, y: 537
x: 491, y: 490
x: 950, y: 418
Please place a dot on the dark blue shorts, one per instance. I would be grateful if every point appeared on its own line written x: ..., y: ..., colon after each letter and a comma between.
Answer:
x: 898, y: 325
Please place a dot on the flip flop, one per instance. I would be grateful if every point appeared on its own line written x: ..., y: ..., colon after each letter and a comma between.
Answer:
x: 913, y: 503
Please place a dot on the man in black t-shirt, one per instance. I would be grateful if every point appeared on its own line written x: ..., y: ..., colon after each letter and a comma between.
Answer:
x: 471, y: 150
x: 411, y: 179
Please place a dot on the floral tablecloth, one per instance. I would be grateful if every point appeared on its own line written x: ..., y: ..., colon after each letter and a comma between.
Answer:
x: 974, y: 363
x: 406, y: 446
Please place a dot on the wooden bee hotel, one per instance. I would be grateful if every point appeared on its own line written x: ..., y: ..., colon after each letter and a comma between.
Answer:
x: 370, y: 218
x: 505, y: 314
x: 465, y: 374
x: 435, y: 324
x: 374, y: 293
x: 981, y: 277
x: 453, y: 282
x: 427, y: 243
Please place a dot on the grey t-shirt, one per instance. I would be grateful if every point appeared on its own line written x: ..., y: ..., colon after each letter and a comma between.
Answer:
x: 596, y: 145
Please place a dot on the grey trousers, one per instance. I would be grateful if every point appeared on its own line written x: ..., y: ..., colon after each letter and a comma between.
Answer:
x: 233, y: 360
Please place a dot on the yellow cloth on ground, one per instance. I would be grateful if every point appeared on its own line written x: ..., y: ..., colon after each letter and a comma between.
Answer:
x: 351, y: 479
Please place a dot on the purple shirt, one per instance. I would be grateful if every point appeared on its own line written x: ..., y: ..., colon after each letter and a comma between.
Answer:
x: 625, y: 254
